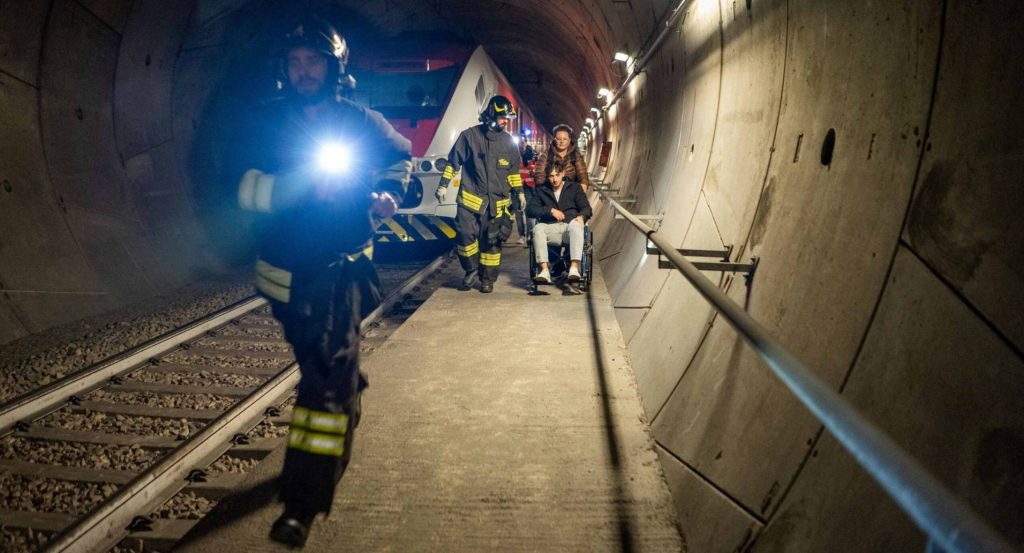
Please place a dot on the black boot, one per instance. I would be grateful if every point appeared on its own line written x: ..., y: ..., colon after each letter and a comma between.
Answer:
x: 471, y: 278
x: 487, y: 287
x: 292, y: 528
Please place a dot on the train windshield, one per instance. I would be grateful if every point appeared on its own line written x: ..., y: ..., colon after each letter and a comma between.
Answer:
x: 406, y: 95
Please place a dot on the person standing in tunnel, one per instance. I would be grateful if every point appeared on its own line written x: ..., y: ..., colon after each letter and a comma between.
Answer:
x: 320, y: 167
x: 562, y: 156
x: 520, y: 200
x: 489, y: 160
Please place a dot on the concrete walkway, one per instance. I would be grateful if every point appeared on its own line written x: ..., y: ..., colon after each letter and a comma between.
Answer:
x: 501, y: 422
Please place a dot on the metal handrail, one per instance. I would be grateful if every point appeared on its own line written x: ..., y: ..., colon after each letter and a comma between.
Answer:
x: 939, y: 513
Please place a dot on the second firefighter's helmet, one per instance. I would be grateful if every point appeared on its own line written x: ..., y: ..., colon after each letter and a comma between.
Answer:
x: 497, y: 106
x: 319, y: 36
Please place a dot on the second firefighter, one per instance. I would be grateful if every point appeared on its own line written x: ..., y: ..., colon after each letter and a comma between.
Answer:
x: 489, y: 160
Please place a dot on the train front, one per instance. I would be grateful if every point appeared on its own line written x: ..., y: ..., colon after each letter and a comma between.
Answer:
x: 422, y: 87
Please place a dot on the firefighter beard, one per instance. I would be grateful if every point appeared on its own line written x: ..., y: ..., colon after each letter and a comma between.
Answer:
x: 480, y: 235
x: 322, y: 323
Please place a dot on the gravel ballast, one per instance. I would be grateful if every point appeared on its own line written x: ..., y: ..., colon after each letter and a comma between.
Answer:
x: 18, y: 540
x: 164, y: 401
x: 201, y: 378
x: 122, y: 424
x: 41, y: 358
x: 45, y: 495
x: 72, y: 454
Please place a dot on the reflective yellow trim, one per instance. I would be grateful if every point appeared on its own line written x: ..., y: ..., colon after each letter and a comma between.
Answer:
x: 316, y: 442
x: 367, y: 251
x: 398, y: 229
x: 515, y: 180
x: 419, y: 227
x: 490, y: 259
x: 320, y: 421
x: 449, y: 173
x: 299, y: 417
x: 445, y: 227
x: 469, y: 250
x: 274, y: 282
x: 274, y: 274
x: 254, y: 191
x: 503, y: 207
x: 471, y: 201
x: 273, y: 290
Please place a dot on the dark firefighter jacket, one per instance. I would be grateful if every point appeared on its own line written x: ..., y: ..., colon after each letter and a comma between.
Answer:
x: 572, y: 201
x: 276, y: 166
x: 490, y: 167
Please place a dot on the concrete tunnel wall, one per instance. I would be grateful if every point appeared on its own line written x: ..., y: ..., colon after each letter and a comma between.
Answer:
x: 893, y: 270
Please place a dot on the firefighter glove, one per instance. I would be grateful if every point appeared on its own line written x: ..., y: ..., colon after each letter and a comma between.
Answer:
x: 440, y: 193
x: 522, y: 201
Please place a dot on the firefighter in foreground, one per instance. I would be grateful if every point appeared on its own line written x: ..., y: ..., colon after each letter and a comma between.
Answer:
x: 321, y: 168
x: 489, y: 160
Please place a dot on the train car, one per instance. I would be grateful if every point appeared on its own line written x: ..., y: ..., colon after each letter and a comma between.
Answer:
x: 430, y: 91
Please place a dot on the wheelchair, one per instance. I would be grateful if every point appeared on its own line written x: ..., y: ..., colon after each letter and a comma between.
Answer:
x: 559, y: 261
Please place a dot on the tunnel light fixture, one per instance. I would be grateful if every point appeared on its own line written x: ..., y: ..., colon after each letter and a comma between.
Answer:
x: 590, y: 121
x: 596, y: 111
x: 624, y: 58
x: 604, y: 93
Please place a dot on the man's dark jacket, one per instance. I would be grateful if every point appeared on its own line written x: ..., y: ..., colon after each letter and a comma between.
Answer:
x: 572, y: 202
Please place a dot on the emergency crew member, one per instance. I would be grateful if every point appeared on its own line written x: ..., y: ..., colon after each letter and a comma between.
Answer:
x: 314, y: 265
x: 489, y: 160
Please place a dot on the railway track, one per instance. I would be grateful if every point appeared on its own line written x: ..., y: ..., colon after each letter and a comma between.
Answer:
x: 129, y: 454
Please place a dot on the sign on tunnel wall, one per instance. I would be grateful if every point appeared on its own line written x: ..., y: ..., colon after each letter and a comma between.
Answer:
x: 606, y: 150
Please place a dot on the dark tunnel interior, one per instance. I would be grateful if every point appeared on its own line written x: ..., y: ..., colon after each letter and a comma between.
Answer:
x: 867, y: 154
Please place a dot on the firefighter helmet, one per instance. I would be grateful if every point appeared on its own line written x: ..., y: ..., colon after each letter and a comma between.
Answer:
x: 497, y: 106
x: 319, y: 36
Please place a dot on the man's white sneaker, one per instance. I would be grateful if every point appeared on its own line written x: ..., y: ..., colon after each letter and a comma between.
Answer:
x: 543, y: 276
x: 574, y: 274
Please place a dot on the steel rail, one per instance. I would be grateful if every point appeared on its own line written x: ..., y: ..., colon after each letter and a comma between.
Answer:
x: 107, y: 525
x: 30, y: 405
x: 935, y: 510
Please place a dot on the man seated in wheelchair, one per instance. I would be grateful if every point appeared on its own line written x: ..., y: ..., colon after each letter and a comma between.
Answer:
x: 561, y: 209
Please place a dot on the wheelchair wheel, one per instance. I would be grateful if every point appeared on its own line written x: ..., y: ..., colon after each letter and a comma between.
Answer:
x: 588, y: 260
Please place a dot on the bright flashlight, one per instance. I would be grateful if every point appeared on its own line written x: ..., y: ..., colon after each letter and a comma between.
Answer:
x: 334, y: 158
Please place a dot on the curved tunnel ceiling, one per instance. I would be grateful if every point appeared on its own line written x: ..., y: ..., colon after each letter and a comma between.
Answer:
x: 891, y: 264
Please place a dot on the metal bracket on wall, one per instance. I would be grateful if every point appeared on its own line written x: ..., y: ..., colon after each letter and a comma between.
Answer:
x: 725, y: 266
x: 655, y: 218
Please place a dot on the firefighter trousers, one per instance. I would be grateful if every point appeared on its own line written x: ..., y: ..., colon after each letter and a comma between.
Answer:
x: 479, y: 240
x: 321, y: 321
